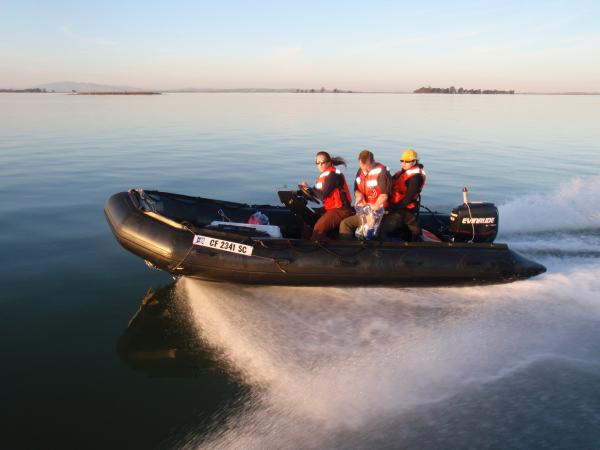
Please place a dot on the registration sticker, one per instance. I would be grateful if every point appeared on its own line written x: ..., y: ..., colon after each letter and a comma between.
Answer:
x: 220, y: 244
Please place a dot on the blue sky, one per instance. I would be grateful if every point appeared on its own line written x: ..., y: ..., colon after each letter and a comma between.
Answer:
x: 391, y: 46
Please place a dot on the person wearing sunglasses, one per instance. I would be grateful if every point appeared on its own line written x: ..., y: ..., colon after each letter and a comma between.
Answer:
x: 372, y: 187
x: 407, y: 185
x: 331, y: 188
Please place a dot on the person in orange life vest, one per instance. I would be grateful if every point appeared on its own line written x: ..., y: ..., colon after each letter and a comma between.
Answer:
x: 331, y: 188
x: 407, y: 184
x: 372, y: 186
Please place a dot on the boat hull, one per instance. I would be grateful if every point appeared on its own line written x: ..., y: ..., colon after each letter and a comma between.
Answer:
x: 168, y: 245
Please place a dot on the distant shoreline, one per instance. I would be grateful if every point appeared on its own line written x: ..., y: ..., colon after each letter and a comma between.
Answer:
x: 116, y: 93
x: 461, y: 91
x: 24, y: 91
x: 272, y: 91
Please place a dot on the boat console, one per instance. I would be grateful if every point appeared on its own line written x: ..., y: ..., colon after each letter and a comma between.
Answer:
x: 297, y: 203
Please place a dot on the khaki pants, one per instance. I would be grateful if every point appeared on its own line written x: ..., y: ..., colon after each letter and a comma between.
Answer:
x: 348, y: 226
x: 390, y: 223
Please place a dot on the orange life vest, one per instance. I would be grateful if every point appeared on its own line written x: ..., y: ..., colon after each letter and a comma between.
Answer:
x: 334, y: 199
x: 399, y: 185
x: 368, y: 185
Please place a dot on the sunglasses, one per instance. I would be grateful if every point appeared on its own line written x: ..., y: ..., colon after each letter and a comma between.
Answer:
x: 406, y: 161
x: 318, y: 163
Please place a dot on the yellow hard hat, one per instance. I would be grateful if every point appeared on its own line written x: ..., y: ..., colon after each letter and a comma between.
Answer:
x: 409, y: 155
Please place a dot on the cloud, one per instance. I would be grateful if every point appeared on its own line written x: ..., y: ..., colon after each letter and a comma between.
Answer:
x: 423, y: 38
x: 286, y: 59
x: 96, y: 41
x: 291, y: 52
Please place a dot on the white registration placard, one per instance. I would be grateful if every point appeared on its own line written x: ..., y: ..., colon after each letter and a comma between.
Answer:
x: 220, y: 244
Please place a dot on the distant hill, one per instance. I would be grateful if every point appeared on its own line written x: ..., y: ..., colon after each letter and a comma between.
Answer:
x: 69, y: 86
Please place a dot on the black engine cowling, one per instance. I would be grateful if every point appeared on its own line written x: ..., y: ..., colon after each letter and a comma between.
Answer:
x: 474, y: 222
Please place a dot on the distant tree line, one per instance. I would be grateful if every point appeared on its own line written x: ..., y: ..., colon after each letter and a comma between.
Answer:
x: 118, y: 93
x: 322, y: 91
x: 453, y: 90
x: 34, y: 90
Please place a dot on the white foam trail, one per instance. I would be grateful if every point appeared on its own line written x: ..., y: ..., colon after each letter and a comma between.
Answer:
x: 574, y: 205
x: 574, y: 243
x: 519, y: 366
x: 327, y: 361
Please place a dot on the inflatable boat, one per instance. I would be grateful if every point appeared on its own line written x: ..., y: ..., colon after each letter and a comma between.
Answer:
x: 212, y: 240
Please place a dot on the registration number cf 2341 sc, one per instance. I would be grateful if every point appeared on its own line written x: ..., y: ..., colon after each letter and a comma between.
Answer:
x: 220, y: 244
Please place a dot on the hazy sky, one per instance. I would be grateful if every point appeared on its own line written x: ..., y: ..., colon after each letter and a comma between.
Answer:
x: 363, y: 45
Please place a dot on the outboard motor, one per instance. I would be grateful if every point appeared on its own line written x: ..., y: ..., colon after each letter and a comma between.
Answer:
x: 474, y: 221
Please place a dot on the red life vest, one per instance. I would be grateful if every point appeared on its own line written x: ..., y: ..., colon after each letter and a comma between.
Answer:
x: 368, y: 185
x: 334, y: 199
x: 399, y: 185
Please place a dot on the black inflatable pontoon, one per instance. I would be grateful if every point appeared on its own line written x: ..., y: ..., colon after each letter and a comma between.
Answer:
x: 187, y: 236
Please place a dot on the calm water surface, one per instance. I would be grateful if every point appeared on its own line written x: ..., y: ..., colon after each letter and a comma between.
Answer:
x: 222, y: 366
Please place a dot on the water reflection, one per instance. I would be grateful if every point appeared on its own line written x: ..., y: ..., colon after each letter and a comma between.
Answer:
x: 160, y: 338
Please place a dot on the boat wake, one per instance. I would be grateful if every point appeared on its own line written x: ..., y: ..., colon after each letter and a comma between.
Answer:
x: 573, y: 206
x: 563, y: 223
x: 382, y: 367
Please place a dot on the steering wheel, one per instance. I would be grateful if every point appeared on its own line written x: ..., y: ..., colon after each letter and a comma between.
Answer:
x: 307, y: 193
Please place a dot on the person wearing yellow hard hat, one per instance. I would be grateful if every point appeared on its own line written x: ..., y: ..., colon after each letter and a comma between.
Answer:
x: 405, y: 198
